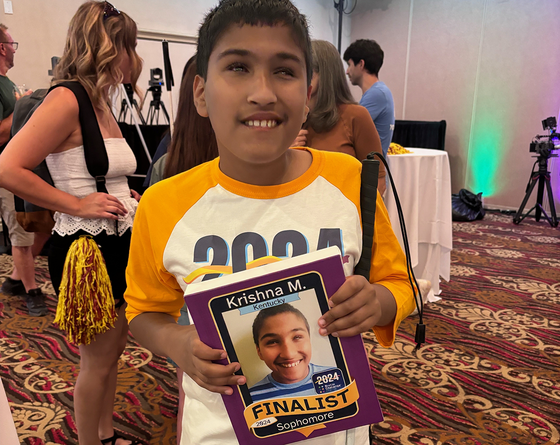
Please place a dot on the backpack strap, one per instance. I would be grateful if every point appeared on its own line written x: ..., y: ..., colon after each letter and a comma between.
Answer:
x: 95, y: 152
x: 25, y: 107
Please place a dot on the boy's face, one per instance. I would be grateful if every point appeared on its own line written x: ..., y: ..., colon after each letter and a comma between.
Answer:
x: 255, y: 94
x: 285, y: 347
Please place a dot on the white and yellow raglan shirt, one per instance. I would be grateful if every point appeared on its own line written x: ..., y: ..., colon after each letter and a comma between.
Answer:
x: 202, y: 221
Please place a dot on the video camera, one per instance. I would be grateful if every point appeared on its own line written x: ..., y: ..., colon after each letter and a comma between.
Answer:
x: 156, y: 82
x: 156, y: 77
x: 545, y: 147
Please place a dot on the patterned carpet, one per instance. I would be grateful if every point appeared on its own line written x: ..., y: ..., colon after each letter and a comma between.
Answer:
x: 39, y: 368
x: 489, y: 374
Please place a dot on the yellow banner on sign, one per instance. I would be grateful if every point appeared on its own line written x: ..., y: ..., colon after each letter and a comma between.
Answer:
x: 318, y: 407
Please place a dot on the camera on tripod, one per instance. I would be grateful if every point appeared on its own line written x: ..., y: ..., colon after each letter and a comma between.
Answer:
x: 156, y: 77
x: 156, y: 82
x: 545, y: 147
x: 542, y: 145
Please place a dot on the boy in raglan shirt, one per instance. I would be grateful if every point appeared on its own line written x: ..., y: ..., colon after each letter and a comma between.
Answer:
x: 259, y: 198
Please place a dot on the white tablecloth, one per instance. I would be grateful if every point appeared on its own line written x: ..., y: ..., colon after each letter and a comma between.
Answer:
x: 423, y: 182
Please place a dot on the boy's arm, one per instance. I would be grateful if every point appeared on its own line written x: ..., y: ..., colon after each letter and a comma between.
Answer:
x: 162, y: 335
x: 382, y: 303
x: 156, y: 331
x: 153, y: 295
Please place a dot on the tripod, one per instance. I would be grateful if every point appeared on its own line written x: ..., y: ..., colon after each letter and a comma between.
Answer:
x: 124, y: 106
x: 542, y: 176
x: 155, y: 105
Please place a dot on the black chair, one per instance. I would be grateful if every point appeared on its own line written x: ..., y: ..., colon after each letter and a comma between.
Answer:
x: 420, y: 134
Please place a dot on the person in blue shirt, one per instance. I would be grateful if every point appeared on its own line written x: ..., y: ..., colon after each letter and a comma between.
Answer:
x: 365, y: 58
x: 281, y: 335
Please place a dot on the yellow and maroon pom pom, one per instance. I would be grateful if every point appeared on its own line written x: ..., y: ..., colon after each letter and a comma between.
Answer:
x: 85, y: 306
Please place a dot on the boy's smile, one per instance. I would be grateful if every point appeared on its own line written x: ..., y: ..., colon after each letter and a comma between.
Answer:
x: 255, y: 94
x: 263, y: 120
x: 285, y: 347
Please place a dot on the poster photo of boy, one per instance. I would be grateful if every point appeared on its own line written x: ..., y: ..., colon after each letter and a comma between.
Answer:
x: 282, y: 338
x: 278, y: 349
x: 296, y: 378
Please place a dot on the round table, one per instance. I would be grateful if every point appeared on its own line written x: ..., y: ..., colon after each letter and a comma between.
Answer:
x: 423, y: 183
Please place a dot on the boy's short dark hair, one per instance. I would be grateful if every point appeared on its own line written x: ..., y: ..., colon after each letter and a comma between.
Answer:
x: 253, y: 13
x: 367, y: 50
x: 270, y: 312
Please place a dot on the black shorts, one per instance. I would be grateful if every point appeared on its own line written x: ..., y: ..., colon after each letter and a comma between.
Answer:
x: 115, y: 252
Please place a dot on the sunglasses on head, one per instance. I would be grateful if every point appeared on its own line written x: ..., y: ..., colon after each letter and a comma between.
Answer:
x: 109, y: 11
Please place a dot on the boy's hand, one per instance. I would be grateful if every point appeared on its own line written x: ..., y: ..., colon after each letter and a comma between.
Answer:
x: 198, y: 364
x: 357, y: 307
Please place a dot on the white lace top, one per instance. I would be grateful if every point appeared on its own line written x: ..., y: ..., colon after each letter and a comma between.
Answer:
x: 70, y: 174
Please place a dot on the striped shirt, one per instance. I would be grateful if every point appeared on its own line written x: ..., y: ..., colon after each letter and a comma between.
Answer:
x: 268, y: 388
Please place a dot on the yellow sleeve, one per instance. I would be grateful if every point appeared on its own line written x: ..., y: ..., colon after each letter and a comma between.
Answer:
x: 388, y: 268
x: 150, y: 288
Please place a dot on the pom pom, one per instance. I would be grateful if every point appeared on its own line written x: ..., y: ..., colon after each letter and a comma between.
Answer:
x: 86, y: 306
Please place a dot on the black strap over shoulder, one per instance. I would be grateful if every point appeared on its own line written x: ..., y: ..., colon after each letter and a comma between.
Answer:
x: 95, y: 151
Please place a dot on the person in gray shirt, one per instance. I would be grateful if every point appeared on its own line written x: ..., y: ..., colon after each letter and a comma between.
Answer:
x: 22, y: 279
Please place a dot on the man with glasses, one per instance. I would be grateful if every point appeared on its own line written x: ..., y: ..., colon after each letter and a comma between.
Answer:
x: 8, y: 90
x: 22, y: 280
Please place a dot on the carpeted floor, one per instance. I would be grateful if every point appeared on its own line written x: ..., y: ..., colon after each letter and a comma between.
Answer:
x: 39, y: 368
x: 489, y: 374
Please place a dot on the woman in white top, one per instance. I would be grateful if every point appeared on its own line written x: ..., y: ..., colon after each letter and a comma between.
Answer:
x: 100, y: 54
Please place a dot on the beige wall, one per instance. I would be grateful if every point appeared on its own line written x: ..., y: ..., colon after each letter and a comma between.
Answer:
x: 488, y: 67
x: 40, y: 27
